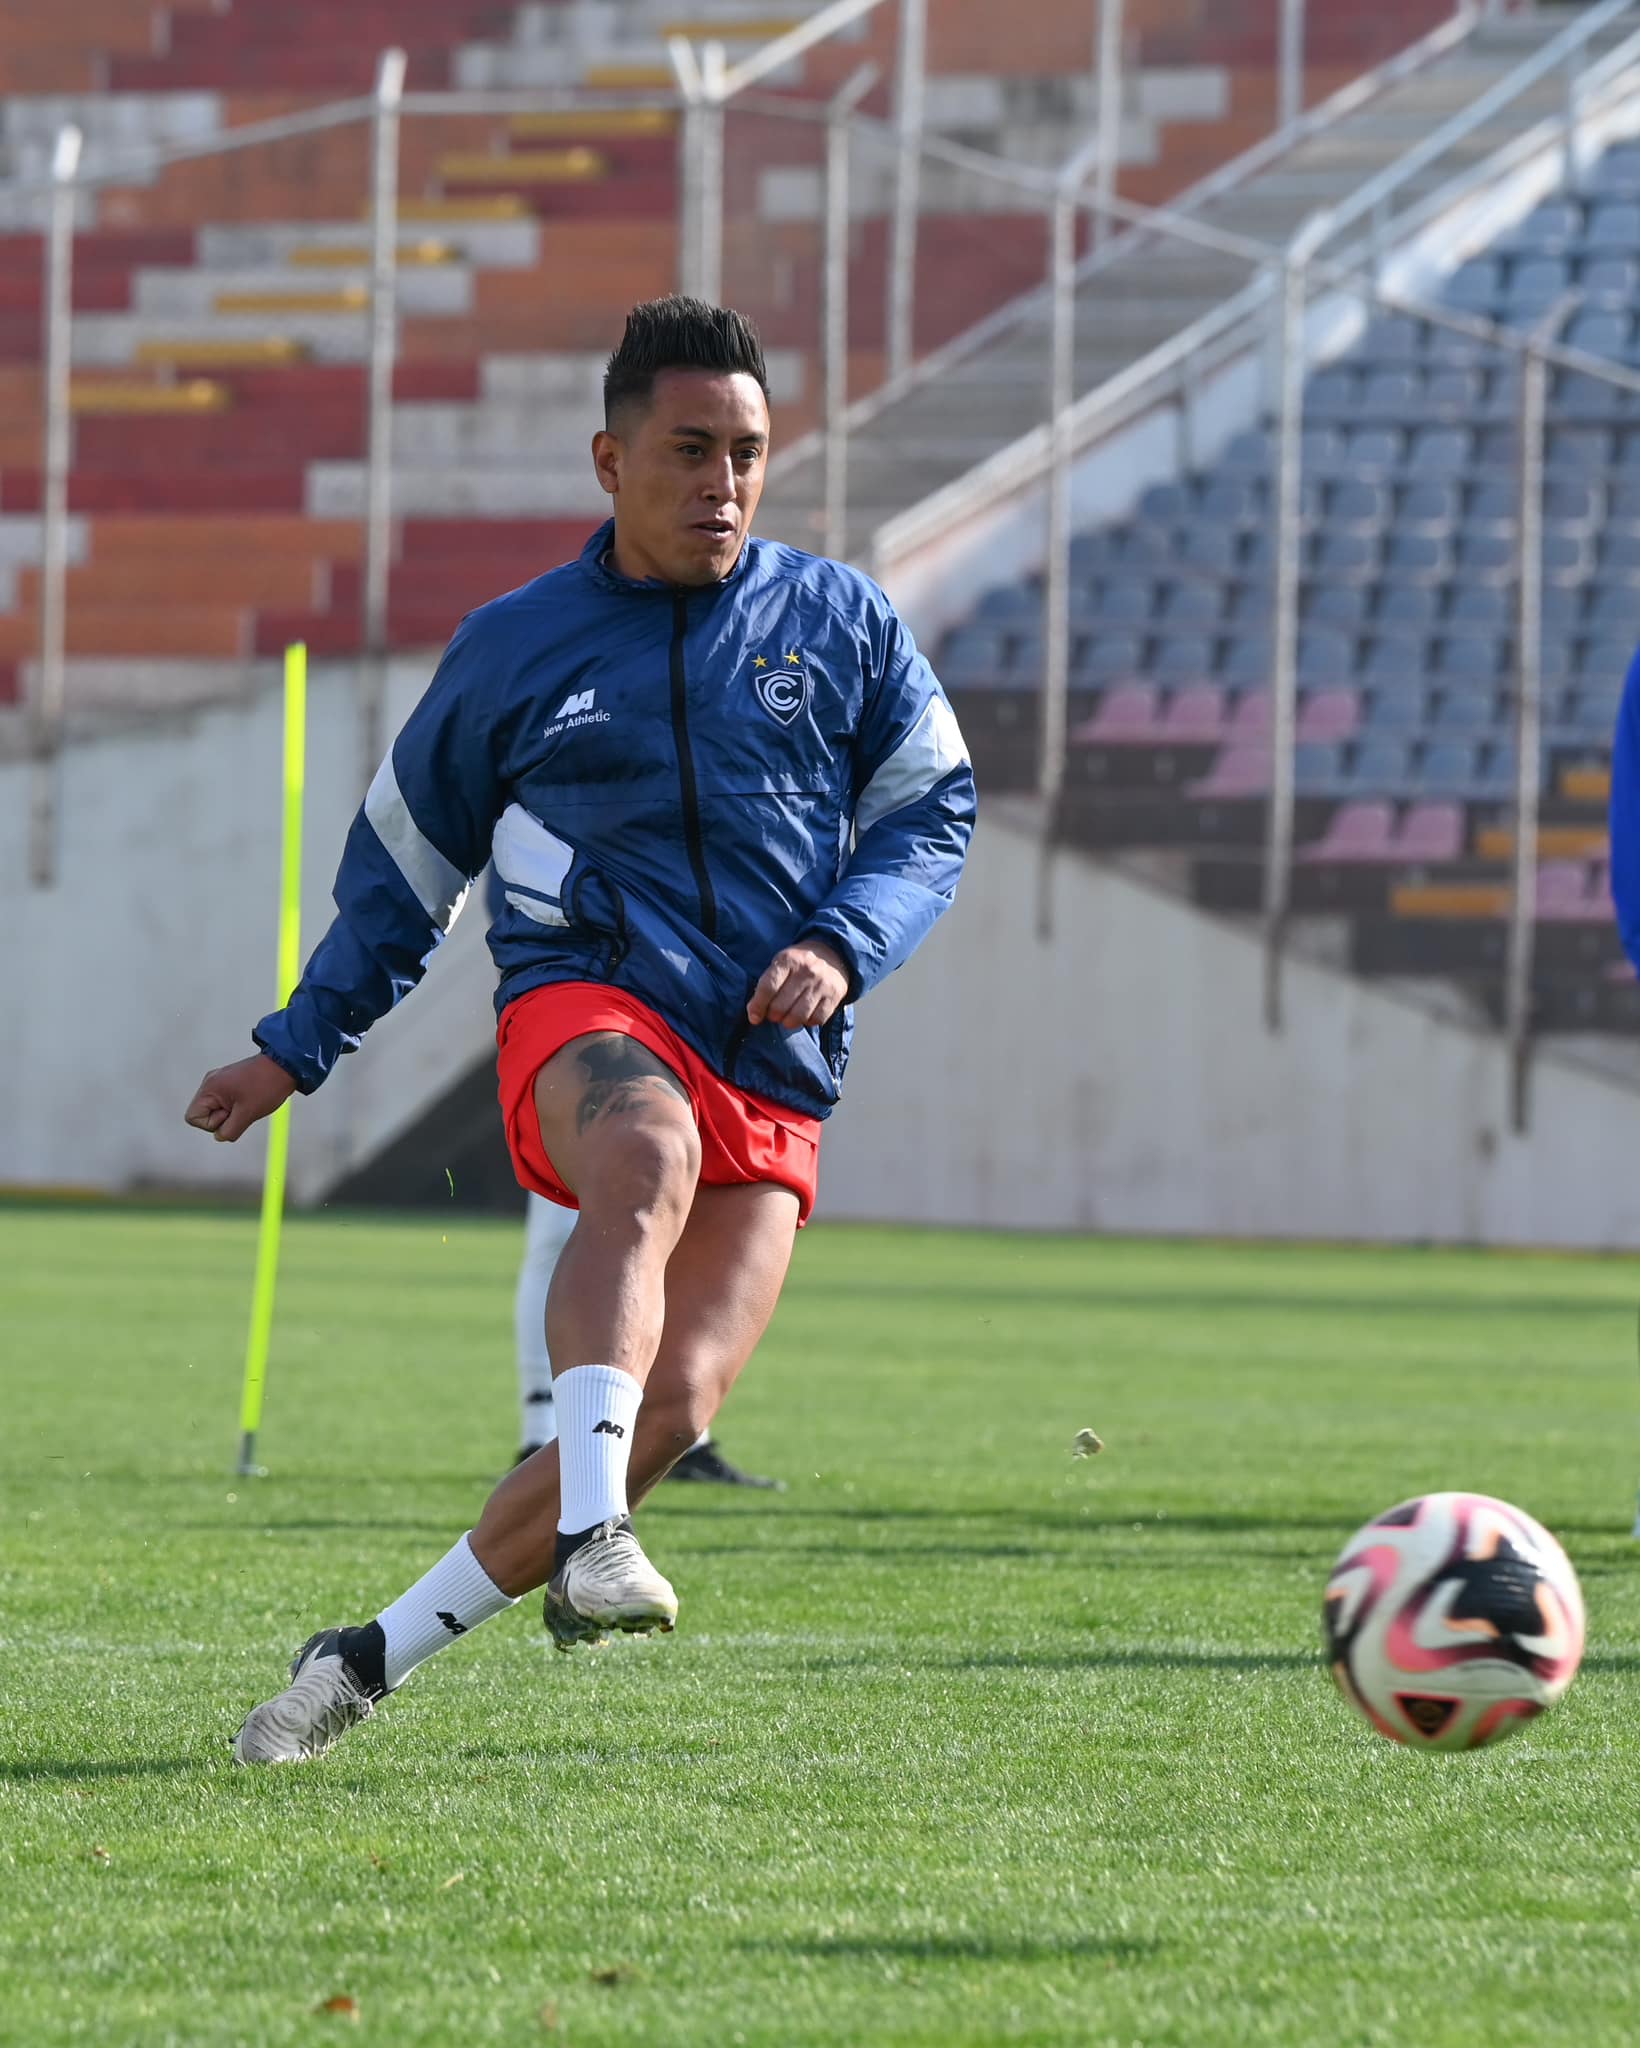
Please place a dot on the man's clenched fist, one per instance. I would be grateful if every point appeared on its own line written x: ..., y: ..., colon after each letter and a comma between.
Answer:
x: 230, y: 1099
x: 802, y: 984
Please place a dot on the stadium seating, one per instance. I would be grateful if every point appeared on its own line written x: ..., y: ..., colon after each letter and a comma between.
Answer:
x: 222, y: 302
x: 1406, y: 762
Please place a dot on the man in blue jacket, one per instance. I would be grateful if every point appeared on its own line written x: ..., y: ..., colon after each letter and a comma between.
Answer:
x: 725, y: 796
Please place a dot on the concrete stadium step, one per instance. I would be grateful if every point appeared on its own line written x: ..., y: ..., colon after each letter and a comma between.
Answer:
x: 1153, y: 292
x: 336, y: 490
x: 275, y: 295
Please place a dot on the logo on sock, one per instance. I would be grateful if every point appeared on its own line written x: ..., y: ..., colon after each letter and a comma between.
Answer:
x: 456, y: 1628
x: 608, y: 1429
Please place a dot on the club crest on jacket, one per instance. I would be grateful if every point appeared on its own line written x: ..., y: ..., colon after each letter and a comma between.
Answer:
x: 782, y: 688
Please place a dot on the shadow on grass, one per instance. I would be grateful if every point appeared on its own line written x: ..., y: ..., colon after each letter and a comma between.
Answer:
x: 1026, y: 1520
x: 959, y: 1948
x: 75, y: 1771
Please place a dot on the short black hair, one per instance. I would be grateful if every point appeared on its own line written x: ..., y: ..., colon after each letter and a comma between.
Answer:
x: 676, y: 333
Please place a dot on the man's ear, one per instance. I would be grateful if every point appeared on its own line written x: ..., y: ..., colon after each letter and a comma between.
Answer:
x: 606, y: 460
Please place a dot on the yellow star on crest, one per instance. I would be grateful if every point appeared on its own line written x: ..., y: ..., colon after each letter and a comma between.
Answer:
x: 793, y: 656
x: 761, y: 662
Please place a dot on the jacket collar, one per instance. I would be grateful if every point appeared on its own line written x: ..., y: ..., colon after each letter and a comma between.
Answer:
x: 598, y: 569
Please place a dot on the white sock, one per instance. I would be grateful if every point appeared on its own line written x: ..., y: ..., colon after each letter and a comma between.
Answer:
x: 455, y: 1596
x: 597, y: 1408
x: 705, y: 1437
x: 546, y: 1231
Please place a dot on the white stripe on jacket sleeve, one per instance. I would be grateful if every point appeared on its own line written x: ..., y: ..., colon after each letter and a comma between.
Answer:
x: 922, y: 760
x: 437, y: 886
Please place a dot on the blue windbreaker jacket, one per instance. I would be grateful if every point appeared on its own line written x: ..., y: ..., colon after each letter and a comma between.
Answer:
x: 673, y: 785
x: 1625, y: 814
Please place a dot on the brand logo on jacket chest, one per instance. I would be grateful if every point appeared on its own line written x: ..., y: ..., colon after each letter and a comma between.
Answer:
x: 579, y: 708
x: 782, y: 685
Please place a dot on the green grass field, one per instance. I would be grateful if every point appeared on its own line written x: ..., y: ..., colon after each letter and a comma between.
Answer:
x: 959, y: 1741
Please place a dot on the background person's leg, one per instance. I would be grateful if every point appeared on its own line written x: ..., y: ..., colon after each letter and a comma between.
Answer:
x: 722, y: 1284
x: 547, y: 1226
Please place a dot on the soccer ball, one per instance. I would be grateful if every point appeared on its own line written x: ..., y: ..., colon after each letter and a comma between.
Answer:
x: 1452, y: 1619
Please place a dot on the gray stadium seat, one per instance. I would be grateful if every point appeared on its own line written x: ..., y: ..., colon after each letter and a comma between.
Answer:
x: 1341, y: 605
x: 1325, y: 656
x: 1611, y: 281
x: 1614, y: 613
x: 1334, y: 394
x: 1009, y: 604
x: 1603, y: 660
x: 1492, y: 505
x: 1247, y: 453
x: 1347, y: 557
x: 1407, y: 607
x: 1449, y: 767
x: 1474, y: 656
x: 1145, y: 548
x: 1092, y: 552
x: 1109, y: 657
x: 1613, y: 224
x: 1210, y: 549
x: 1451, y: 349
x: 1397, y: 712
x: 1465, y: 714
x: 1429, y: 506
x: 1534, y: 283
x: 1390, y: 396
x: 1454, y: 394
x: 1231, y: 502
x: 1550, y: 228
x: 1395, y: 661
x: 1617, y: 173
x: 1578, y: 451
x: 1166, y: 504
x: 1318, y: 767
x: 1247, y: 661
x: 1181, y: 658
x: 1123, y: 601
x: 971, y: 656
x: 1620, y: 552
x: 1481, y: 607
x: 1487, y: 556
x: 1392, y: 338
x: 1382, y: 763
x: 1358, y: 506
x: 1599, y: 332
x: 1440, y: 451
x: 1373, y: 452
x: 1574, y: 504
x: 1417, y: 558
x: 1476, y: 286
x: 1191, y: 604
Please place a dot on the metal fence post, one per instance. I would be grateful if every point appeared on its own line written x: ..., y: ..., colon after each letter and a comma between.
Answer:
x: 687, y: 73
x: 834, y: 311
x: 1056, y: 580
x: 909, y: 82
x: 47, y: 723
x: 1289, y: 542
x: 709, y: 230
x: 1292, y: 64
x: 1517, y: 996
x: 384, y: 277
x: 1107, y: 118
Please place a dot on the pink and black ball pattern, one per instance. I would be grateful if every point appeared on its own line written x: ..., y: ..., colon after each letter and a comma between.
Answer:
x: 1451, y: 1620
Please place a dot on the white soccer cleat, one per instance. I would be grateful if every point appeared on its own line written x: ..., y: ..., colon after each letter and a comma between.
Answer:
x: 322, y: 1701
x: 608, y: 1583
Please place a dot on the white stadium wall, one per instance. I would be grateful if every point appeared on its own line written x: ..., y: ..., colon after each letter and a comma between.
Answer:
x: 153, y: 954
x: 1119, y: 1077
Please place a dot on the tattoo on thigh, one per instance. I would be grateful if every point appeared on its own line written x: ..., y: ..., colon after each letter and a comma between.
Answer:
x: 621, y: 1076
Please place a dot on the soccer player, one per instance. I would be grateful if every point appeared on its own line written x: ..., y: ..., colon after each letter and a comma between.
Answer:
x: 546, y: 1232
x: 725, y: 796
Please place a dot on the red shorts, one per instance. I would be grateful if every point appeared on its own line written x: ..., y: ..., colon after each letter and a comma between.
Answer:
x: 743, y: 1139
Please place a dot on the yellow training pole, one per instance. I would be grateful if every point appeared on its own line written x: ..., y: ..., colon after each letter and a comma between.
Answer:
x: 289, y: 968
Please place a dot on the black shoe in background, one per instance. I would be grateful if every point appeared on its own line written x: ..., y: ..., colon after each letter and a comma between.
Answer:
x: 706, y: 1465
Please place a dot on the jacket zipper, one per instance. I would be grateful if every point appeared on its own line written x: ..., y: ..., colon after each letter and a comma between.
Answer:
x: 686, y: 771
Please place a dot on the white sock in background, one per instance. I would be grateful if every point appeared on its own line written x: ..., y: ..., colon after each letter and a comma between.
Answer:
x: 546, y: 1232
x: 597, y: 1408
x: 454, y: 1597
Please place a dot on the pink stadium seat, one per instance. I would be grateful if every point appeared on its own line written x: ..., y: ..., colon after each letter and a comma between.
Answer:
x: 1329, y: 715
x: 1250, y: 720
x: 1431, y: 833
x: 1128, y: 716
x: 1238, y: 772
x: 1195, y: 716
x: 1362, y: 831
